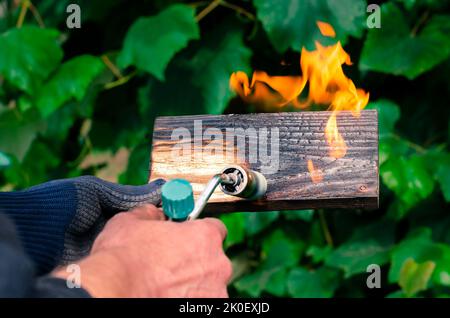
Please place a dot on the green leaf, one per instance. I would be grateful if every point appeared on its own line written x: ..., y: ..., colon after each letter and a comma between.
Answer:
x: 160, y: 98
x: 28, y: 55
x: 71, y: 80
x: 235, y: 224
x: 397, y: 48
x: 256, y: 222
x: 368, y: 245
x: 428, y: 4
x: 396, y: 294
x: 292, y: 23
x: 213, y: 65
x: 388, y: 115
x: 392, y: 146
x: 255, y: 283
x: 151, y: 42
x: 443, y: 175
x: 4, y: 160
x: 61, y: 120
x: 269, y: 279
x: 137, y: 170
x: 276, y: 285
x: 319, y: 283
x: 408, y: 4
x: 414, y: 277
x: 17, y: 132
x: 354, y: 257
x: 31, y: 171
x: 24, y: 103
x: 279, y: 250
x: 319, y: 253
x: 279, y: 253
x: 303, y: 215
x: 438, y: 164
x: 420, y: 247
x: 408, y: 178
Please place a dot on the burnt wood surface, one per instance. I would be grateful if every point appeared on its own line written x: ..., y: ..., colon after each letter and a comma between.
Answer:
x: 348, y: 182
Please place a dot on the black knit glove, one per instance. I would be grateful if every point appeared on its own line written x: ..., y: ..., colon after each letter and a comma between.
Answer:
x: 59, y: 220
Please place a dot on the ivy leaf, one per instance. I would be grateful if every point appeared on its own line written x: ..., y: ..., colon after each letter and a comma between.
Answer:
x: 388, y: 115
x: 396, y: 48
x: 392, y: 146
x: 28, y: 55
x: 419, y: 246
x: 213, y: 64
x: 31, y: 171
x: 61, y: 120
x: 414, y: 277
x: 396, y: 294
x: 254, y: 283
x: 4, y: 160
x: 368, y: 245
x: 185, y: 100
x: 71, y: 80
x: 438, y: 163
x: 279, y: 253
x: 256, y: 222
x: 408, y: 178
x: 235, y: 224
x: 354, y: 257
x: 429, y: 4
x: 137, y: 170
x: 280, y: 250
x: 320, y: 283
x: 17, y: 132
x: 272, y: 280
x: 151, y: 42
x: 292, y: 23
x: 304, y: 215
x: 276, y: 285
x: 319, y: 253
x: 443, y: 175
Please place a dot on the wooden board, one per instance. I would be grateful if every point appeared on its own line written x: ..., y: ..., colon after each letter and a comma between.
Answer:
x: 348, y: 182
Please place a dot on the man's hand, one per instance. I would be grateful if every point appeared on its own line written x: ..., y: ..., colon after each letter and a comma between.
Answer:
x: 139, y: 254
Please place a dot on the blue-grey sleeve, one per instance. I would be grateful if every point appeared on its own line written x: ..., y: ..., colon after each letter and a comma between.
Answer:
x: 17, y: 272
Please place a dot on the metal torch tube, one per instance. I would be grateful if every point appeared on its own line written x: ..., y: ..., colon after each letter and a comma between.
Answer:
x: 207, y: 192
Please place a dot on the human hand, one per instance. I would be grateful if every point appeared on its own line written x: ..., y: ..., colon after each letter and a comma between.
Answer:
x: 138, y: 254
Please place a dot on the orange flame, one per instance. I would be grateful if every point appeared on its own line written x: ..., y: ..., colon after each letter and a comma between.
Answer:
x: 338, y: 148
x: 316, y: 174
x: 326, y: 29
x: 328, y: 85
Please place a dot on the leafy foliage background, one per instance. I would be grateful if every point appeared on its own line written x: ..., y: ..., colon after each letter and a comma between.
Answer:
x: 83, y: 101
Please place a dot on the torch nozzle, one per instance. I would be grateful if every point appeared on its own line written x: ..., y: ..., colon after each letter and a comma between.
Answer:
x: 233, y: 180
x: 246, y: 183
x: 228, y: 179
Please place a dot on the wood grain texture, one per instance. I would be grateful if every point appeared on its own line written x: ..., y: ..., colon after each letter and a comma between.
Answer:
x: 348, y: 182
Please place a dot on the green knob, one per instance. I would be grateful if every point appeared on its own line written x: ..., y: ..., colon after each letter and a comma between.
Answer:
x: 177, y: 199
